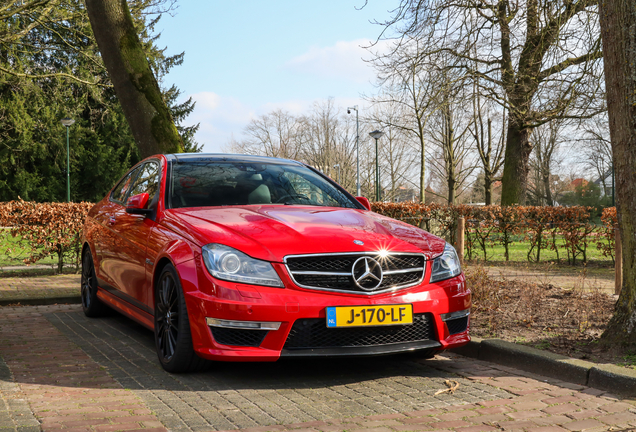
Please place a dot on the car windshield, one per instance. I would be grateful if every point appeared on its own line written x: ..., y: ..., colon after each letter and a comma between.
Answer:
x: 209, y: 184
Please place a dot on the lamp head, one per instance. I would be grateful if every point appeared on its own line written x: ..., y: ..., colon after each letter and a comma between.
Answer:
x: 377, y: 134
x: 67, y: 121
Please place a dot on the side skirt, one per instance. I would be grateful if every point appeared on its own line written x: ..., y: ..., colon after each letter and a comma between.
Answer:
x: 125, y: 308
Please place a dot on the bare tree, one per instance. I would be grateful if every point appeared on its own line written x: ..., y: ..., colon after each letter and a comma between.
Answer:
x: 449, y: 130
x: 490, y: 151
x: 398, y: 151
x: 537, y: 58
x: 275, y: 134
x: 408, y: 81
x: 328, y: 139
x: 547, y: 140
x: 322, y: 138
x: 596, y: 150
x: 618, y: 19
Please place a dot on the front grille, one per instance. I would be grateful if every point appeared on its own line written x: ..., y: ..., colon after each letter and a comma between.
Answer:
x: 248, y: 338
x: 457, y: 325
x: 312, y: 333
x: 335, y: 272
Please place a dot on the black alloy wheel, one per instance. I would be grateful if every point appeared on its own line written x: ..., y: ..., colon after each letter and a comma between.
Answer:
x: 91, y: 305
x: 173, y: 338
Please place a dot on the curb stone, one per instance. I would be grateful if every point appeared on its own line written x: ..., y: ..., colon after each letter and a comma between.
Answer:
x: 607, y: 377
x: 43, y: 301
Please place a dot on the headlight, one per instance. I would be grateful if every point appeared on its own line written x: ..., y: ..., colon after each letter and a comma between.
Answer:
x: 224, y: 262
x: 446, y: 265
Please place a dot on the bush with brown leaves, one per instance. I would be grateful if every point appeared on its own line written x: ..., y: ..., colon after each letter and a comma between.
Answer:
x: 46, y: 228
x: 542, y: 226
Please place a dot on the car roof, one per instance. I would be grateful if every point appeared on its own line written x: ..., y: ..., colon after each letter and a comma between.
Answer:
x: 225, y: 157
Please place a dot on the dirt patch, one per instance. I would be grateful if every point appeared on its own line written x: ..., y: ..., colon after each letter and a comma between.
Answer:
x: 568, y: 321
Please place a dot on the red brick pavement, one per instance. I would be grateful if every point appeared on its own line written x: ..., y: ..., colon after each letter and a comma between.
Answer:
x: 68, y: 391
x: 65, y: 388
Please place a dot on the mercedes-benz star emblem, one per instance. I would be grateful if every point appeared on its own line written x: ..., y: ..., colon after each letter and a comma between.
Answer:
x: 367, y: 273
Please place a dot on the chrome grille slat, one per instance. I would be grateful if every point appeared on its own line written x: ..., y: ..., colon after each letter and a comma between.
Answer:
x: 408, y: 270
x: 333, y: 272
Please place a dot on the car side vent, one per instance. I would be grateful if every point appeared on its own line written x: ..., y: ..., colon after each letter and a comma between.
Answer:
x: 457, y: 325
x: 247, y: 338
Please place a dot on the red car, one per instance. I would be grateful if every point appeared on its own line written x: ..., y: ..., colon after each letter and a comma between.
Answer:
x: 245, y: 258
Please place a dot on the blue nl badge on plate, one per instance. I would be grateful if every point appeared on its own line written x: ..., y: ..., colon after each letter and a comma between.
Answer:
x: 331, y: 317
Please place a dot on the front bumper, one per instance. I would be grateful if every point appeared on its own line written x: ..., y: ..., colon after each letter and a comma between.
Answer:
x: 224, y: 316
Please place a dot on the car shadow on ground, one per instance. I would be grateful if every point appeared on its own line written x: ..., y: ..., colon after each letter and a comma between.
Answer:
x: 127, y: 351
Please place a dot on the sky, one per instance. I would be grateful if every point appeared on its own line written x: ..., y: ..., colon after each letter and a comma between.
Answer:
x: 246, y: 58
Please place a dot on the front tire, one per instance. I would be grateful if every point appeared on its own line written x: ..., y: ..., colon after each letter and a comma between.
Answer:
x: 91, y: 304
x: 173, y: 338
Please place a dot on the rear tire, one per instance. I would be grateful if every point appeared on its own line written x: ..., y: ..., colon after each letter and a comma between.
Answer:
x: 91, y: 304
x: 173, y: 338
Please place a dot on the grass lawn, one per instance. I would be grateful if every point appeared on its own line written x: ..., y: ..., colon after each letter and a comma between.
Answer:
x: 519, y: 253
x: 13, y: 251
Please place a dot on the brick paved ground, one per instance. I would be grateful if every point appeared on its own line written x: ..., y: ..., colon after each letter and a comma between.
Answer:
x: 18, y: 288
x: 65, y: 388
x: 68, y: 372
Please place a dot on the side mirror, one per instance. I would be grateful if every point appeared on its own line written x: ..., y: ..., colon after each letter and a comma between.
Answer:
x: 137, y: 204
x: 365, y: 202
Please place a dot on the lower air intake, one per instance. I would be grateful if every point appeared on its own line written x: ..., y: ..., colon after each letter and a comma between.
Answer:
x: 312, y: 333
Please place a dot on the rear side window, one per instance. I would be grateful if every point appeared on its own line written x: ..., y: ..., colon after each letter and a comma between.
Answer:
x: 121, y: 190
x: 147, y: 181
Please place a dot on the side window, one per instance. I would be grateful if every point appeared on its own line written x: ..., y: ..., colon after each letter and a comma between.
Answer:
x: 119, y: 193
x: 147, y: 181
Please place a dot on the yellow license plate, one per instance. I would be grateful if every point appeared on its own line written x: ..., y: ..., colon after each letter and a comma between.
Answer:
x: 361, y: 316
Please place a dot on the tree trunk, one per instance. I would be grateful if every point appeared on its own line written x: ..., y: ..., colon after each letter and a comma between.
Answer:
x: 451, y: 190
x: 618, y: 19
x: 135, y: 85
x: 515, y: 174
x: 422, y: 166
x: 546, y: 184
x: 488, y: 188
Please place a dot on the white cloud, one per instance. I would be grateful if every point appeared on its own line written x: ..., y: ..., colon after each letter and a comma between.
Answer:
x: 344, y: 60
x: 219, y: 118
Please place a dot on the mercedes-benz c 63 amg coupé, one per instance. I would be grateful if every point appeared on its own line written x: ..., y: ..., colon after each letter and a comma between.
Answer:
x: 246, y: 258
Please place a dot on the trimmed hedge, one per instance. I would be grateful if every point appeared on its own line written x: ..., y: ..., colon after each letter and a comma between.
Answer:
x: 487, y: 226
x: 54, y: 229
x: 46, y: 229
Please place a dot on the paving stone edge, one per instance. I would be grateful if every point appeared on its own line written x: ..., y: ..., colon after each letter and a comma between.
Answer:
x: 41, y: 301
x: 606, y: 377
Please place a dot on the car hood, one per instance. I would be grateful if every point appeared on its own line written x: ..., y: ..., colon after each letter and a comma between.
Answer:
x: 273, y: 232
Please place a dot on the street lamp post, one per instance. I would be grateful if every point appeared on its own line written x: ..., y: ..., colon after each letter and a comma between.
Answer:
x: 377, y: 135
x: 68, y: 122
x: 355, y: 107
x: 338, y: 166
